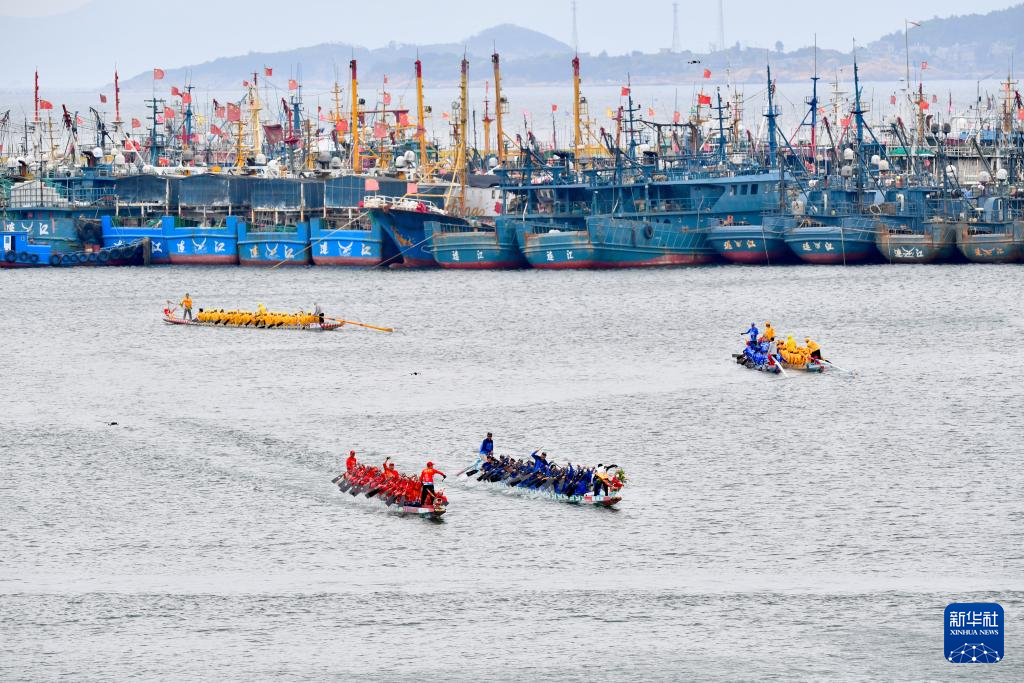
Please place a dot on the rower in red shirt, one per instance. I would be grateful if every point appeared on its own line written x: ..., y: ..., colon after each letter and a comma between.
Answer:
x: 427, y: 482
x: 350, y: 464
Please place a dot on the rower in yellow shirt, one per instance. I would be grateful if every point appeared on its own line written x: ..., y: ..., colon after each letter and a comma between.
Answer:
x: 813, y: 347
x: 769, y: 332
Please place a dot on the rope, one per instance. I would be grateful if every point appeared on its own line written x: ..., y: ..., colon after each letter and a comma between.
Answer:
x: 359, y: 214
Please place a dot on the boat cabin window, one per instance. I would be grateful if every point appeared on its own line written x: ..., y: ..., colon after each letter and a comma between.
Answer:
x: 732, y: 190
x: 754, y: 188
x: 743, y: 189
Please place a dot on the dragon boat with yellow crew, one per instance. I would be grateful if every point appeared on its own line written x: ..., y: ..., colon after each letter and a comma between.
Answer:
x: 259, y: 319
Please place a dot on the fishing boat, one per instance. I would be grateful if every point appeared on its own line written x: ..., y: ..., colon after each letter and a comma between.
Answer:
x: 474, y: 245
x: 278, y: 232
x: 373, y: 489
x: 50, y: 217
x: 205, y: 229
x: 21, y: 250
x: 991, y: 236
x: 344, y: 235
x: 403, y: 220
x: 140, y: 203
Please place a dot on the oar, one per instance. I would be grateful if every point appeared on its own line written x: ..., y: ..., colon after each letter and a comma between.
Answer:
x: 468, y: 468
x: 369, y: 327
x: 830, y: 363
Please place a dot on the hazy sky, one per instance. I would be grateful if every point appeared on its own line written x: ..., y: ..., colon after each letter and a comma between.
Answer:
x: 75, y: 43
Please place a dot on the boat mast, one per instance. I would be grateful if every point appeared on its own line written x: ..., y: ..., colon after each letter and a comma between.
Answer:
x: 357, y: 165
x: 772, y: 147
x: 577, y: 140
x: 814, y: 108
x: 487, y: 119
x: 498, y: 108
x: 421, y: 124
x: 463, y: 161
x: 186, y: 137
x: 721, y: 125
x: 337, y: 108
x: 254, y: 114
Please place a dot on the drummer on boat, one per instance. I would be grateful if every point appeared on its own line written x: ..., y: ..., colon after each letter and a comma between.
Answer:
x: 351, y: 462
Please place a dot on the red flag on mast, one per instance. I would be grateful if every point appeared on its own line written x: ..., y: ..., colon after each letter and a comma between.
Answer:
x: 293, y: 84
x: 707, y: 73
x: 103, y: 98
x: 45, y: 104
x: 158, y: 74
x: 268, y: 71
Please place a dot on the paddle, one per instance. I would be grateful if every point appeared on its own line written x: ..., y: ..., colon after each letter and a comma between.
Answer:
x: 369, y: 327
x: 831, y: 364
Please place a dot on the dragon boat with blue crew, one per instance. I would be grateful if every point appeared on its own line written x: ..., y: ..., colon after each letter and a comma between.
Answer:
x: 344, y: 235
x: 537, y: 477
x: 205, y: 231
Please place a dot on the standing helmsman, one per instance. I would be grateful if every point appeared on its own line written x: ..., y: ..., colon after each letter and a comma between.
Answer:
x: 427, y: 482
x: 487, y: 446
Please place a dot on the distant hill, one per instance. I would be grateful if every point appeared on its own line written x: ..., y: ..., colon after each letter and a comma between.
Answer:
x: 970, y: 46
x: 322, y: 64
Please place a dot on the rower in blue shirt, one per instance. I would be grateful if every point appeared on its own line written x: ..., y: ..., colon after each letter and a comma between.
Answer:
x: 540, y: 462
x: 487, y: 446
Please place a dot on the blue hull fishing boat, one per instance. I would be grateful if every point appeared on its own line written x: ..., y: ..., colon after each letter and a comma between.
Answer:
x: 993, y: 236
x: 914, y: 227
x: 474, y: 246
x: 403, y: 221
x: 763, y: 244
x: 202, y: 243
x: 344, y: 235
x: 205, y: 231
x: 50, y: 218
x: 671, y: 220
x: 141, y: 202
x: 278, y: 233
